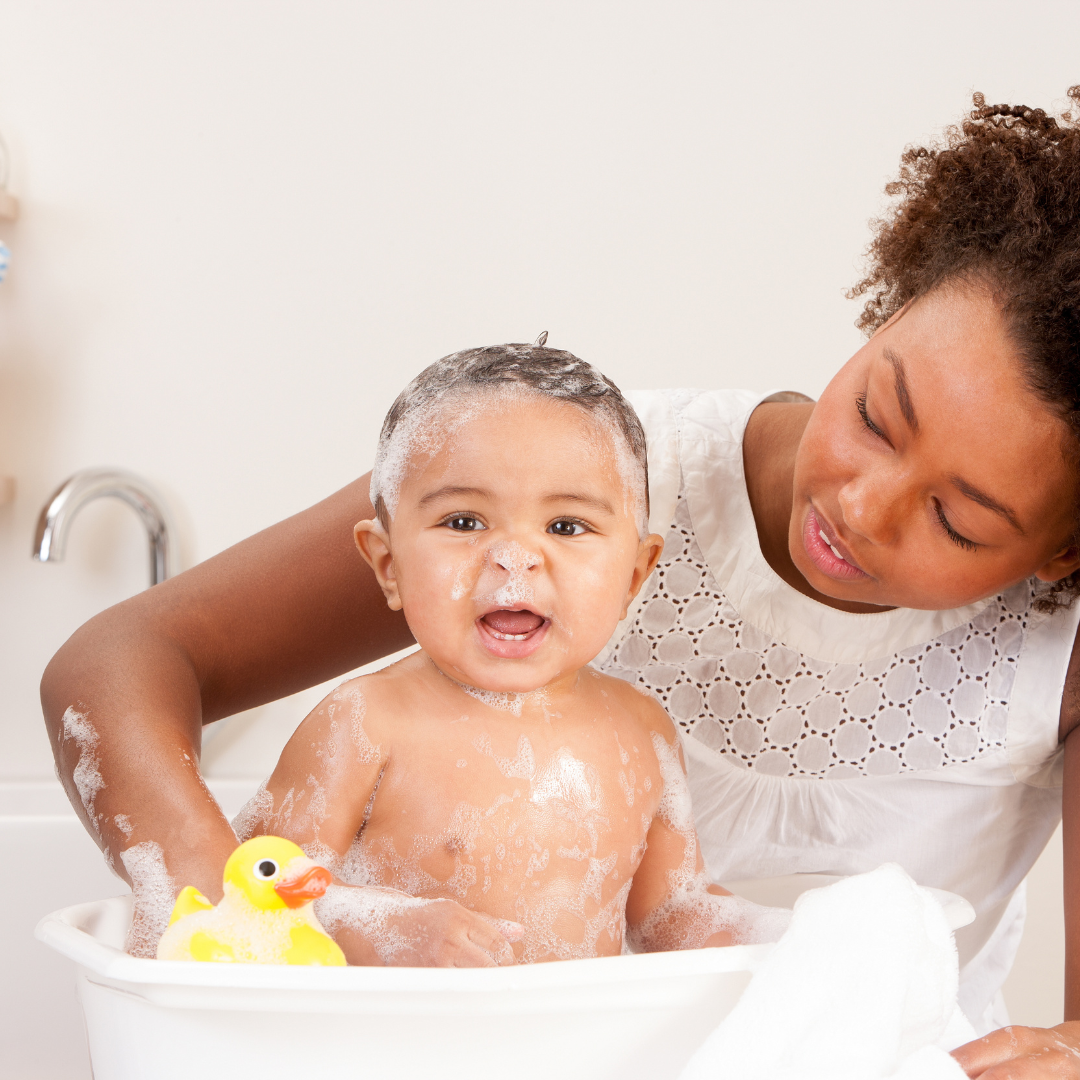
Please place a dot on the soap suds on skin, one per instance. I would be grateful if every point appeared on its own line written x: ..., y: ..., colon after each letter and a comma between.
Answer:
x: 352, y: 699
x: 570, y: 921
x: 420, y: 434
x: 690, y: 914
x: 565, y: 923
x: 516, y: 561
x: 153, y: 894
x: 76, y: 727
x: 507, y: 701
x: 255, y: 815
x: 305, y: 809
x: 522, y: 766
x: 368, y: 911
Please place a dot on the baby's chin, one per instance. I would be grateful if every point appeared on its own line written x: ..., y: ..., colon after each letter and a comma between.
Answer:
x: 509, y: 678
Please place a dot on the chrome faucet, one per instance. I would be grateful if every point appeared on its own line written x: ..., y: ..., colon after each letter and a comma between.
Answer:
x: 75, y: 492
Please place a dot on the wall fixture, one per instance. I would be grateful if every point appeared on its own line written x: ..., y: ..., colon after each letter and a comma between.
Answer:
x: 73, y: 494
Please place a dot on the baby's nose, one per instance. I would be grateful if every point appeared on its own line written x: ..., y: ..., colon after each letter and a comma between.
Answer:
x: 513, y: 558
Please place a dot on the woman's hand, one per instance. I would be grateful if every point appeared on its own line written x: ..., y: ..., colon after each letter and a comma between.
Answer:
x: 1024, y: 1053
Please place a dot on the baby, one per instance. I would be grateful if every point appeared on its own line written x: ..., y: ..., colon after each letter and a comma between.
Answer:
x: 492, y: 798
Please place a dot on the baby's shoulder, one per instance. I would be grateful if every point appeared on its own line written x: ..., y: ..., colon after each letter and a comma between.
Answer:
x: 638, y: 704
x: 379, y: 702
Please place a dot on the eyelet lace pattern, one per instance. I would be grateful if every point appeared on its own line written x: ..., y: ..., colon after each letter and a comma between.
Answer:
x: 771, y: 709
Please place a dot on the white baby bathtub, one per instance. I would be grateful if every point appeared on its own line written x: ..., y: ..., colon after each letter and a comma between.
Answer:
x: 617, y: 1017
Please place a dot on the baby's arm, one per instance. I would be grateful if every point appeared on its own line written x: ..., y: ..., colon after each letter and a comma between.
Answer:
x: 672, y: 903
x: 317, y: 797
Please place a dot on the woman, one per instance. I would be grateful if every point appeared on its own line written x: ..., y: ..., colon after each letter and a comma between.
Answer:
x: 862, y: 618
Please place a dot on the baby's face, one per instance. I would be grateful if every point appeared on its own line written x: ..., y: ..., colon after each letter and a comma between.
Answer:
x: 515, y: 549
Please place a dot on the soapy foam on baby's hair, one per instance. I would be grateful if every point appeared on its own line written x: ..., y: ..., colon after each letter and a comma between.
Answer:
x: 86, y: 775
x: 153, y: 894
x: 426, y: 432
x: 690, y: 914
x: 420, y: 421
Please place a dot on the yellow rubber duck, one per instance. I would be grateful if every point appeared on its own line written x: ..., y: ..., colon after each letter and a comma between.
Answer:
x: 265, y: 917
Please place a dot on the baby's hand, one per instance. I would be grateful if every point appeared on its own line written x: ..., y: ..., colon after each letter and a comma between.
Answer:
x: 442, y: 933
x: 382, y: 926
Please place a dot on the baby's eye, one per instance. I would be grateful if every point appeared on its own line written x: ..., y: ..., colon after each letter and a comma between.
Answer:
x: 567, y: 527
x: 464, y: 523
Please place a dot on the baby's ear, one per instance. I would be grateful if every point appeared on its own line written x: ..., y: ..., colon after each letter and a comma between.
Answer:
x: 649, y: 551
x: 373, y: 542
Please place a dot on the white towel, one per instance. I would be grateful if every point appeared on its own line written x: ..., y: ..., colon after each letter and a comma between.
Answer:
x: 861, y: 987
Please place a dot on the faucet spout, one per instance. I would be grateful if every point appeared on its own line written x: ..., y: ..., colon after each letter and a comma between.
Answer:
x: 50, y: 539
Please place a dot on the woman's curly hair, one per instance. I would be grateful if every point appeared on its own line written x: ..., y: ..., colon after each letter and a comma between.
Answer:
x: 995, y: 202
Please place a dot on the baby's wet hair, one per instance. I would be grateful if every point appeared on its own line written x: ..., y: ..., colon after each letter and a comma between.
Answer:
x: 995, y: 204
x: 552, y: 373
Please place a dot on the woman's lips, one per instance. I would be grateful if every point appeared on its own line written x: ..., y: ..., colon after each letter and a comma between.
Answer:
x: 820, y: 545
x: 512, y: 635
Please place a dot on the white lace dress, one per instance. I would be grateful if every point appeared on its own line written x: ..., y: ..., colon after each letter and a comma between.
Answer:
x: 820, y: 741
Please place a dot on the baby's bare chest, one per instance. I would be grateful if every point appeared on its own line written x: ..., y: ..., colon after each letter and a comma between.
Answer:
x: 494, y: 821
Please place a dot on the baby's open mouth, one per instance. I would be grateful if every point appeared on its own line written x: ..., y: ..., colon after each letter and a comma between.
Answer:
x: 512, y: 635
x: 511, y: 625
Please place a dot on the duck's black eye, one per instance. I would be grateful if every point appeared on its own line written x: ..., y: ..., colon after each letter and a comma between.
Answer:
x: 266, y: 869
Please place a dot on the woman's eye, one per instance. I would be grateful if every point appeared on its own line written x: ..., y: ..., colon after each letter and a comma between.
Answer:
x: 950, y: 532
x: 860, y: 404
x: 464, y: 523
x: 567, y: 527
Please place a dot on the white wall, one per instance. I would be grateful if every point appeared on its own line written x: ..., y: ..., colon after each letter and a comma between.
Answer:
x: 246, y: 224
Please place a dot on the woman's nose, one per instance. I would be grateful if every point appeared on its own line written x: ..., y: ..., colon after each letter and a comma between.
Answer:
x: 873, y: 504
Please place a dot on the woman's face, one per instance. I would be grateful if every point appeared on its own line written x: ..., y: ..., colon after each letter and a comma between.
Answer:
x: 929, y: 476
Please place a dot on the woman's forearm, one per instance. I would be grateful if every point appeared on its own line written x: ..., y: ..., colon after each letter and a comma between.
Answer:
x: 1070, y: 812
x: 126, y: 697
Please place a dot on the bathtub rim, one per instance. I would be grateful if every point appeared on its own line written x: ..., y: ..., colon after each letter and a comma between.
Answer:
x: 64, y: 931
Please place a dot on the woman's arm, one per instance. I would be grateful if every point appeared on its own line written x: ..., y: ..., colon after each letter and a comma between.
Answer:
x: 1046, y: 1052
x: 126, y: 697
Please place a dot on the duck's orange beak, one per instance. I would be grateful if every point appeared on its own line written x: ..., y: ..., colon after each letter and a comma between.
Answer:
x: 309, y: 882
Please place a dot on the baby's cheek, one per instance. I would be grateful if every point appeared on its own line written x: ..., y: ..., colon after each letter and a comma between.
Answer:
x: 600, y: 589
